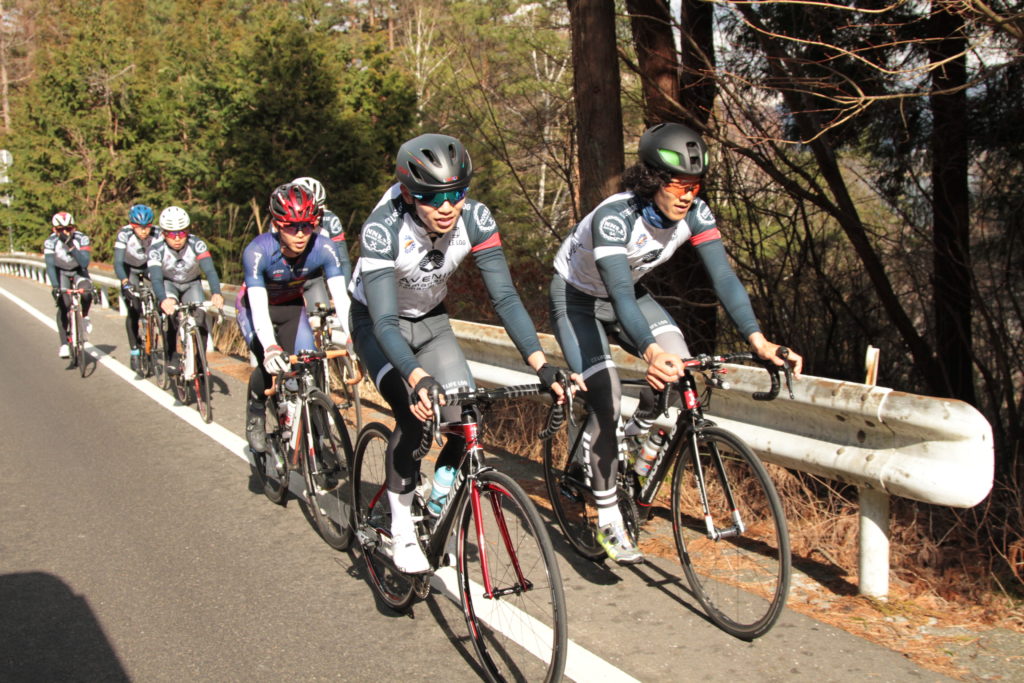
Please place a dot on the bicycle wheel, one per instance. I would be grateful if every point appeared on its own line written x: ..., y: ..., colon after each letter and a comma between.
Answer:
x: 740, y: 572
x: 158, y: 350
x: 372, y: 517
x: 510, y: 585
x: 146, y: 350
x: 326, y: 469
x: 201, y: 382
x: 341, y: 372
x: 79, y: 350
x: 271, y: 466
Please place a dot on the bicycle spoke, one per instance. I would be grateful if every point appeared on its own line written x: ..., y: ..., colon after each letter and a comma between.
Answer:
x: 739, y: 572
x: 510, y: 586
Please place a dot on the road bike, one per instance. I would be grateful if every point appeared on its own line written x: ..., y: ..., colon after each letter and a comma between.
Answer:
x: 505, y: 567
x: 305, y: 432
x: 151, y: 357
x: 728, y: 522
x: 77, y: 334
x: 342, y: 374
x: 191, y: 375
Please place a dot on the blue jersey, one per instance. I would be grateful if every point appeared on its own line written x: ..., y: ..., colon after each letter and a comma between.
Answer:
x: 265, y: 266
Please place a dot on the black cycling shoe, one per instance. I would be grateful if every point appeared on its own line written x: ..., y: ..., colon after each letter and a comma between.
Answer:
x: 174, y: 364
x: 256, y: 432
x: 327, y: 479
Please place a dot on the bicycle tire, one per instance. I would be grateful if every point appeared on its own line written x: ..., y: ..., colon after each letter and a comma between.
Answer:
x: 741, y: 580
x: 146, y: 352
x: 201, y: 382
x: 328, y: 494
x: 520, y: 633
x: 338, y: 372
x: 572, y: 500
x: 79, y: 350
x: 159, y: 352
x: 271, y: 465
x: 372, y: 517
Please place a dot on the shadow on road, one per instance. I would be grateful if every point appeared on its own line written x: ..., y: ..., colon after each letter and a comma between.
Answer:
x: 51, y: 634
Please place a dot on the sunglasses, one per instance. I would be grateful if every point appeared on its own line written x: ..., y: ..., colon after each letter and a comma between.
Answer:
x: 681, y: 189
x: 69, y: 228
x: 140, y: 226
x: 437, y: 199
x: 175, y: 234
x: 294, y: 228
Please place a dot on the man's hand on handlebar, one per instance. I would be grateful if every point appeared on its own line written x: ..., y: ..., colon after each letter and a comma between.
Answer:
x: 770, y: 351
x: 662, y: 367
x: 424, y: 391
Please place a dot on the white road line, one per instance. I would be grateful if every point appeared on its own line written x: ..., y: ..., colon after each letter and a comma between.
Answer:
x: 580, y: 665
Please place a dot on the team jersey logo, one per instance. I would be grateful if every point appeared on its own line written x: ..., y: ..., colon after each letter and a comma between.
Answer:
x: 651, y: 256
x: 484, y: 219
x: 434, y: 260
x: 377, y: 239
x: 704, y: 215
x: 612, y: 228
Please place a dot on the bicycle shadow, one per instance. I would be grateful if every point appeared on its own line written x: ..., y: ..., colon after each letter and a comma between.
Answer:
x: 50, y: 633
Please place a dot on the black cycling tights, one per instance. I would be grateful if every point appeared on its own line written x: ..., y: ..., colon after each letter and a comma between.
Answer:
x: 402, y: 469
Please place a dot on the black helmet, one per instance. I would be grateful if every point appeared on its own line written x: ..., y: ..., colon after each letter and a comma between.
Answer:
x: 675, y: 148
x: 433, y: 163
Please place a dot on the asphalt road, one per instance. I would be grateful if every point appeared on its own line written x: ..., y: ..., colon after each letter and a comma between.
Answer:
x: 136, y: 546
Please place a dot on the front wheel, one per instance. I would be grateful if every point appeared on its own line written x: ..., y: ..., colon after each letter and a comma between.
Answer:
x: 372, y: 517
x: 736, y: 551
x: 159, y: 351
x: 509, y: 582
x: 271, y: 465
x: 201, y: 382
x: 326, y: 470
x: 79, y: 350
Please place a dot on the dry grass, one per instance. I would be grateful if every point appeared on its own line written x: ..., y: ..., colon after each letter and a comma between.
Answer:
x: 949, y: 568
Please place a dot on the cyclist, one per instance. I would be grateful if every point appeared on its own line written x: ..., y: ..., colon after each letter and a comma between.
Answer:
x: 271, y: 313
x: 330, y: 226
x: 177, y: 262
x: 67, y: 253
x: 131, y: 250
x: 594, y: 291
x: 412, y: 242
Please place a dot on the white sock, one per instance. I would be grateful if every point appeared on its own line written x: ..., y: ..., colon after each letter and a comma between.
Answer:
x: 401, y: 513
x: 607, y: 507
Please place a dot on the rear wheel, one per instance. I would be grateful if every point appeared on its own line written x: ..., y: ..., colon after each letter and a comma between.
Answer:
x: 344, y: 377
x: 271, y: 465
x: 326, y: 470
x: 373, y: 517
x: 510, y: 585
x: 739, y: 568
x: 201, y: 382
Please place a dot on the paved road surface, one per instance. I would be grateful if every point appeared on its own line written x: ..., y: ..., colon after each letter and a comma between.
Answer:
x: 134, y: 546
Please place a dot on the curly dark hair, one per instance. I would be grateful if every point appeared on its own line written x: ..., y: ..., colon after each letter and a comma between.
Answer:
x: 643, y: 180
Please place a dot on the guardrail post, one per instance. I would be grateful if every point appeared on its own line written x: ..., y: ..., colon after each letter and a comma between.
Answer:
x: 873, y: 558
x: 104, y: 299
x: 873, y: 563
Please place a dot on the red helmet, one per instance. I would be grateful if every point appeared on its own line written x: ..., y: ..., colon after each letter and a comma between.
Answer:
x: 293, y: 203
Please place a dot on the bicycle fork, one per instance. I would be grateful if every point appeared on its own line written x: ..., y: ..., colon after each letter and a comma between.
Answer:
x: 522, y: 584
x: 713, y: 532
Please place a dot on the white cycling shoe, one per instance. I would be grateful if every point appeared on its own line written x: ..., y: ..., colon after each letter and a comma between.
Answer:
x: 64, y: 351
x: 88, y: 325
x: 408, y: 556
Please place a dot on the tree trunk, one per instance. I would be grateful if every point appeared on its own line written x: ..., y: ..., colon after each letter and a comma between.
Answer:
x: 683, y: 285
x: 951, y: 221
x: 598, y: 109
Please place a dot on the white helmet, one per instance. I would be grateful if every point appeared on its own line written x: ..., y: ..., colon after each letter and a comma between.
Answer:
x: 174, y: 218
x: 62, y: 219
x: 314, y: 186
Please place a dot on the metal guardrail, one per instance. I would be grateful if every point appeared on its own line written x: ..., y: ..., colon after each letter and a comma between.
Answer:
x: 883, y: 441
